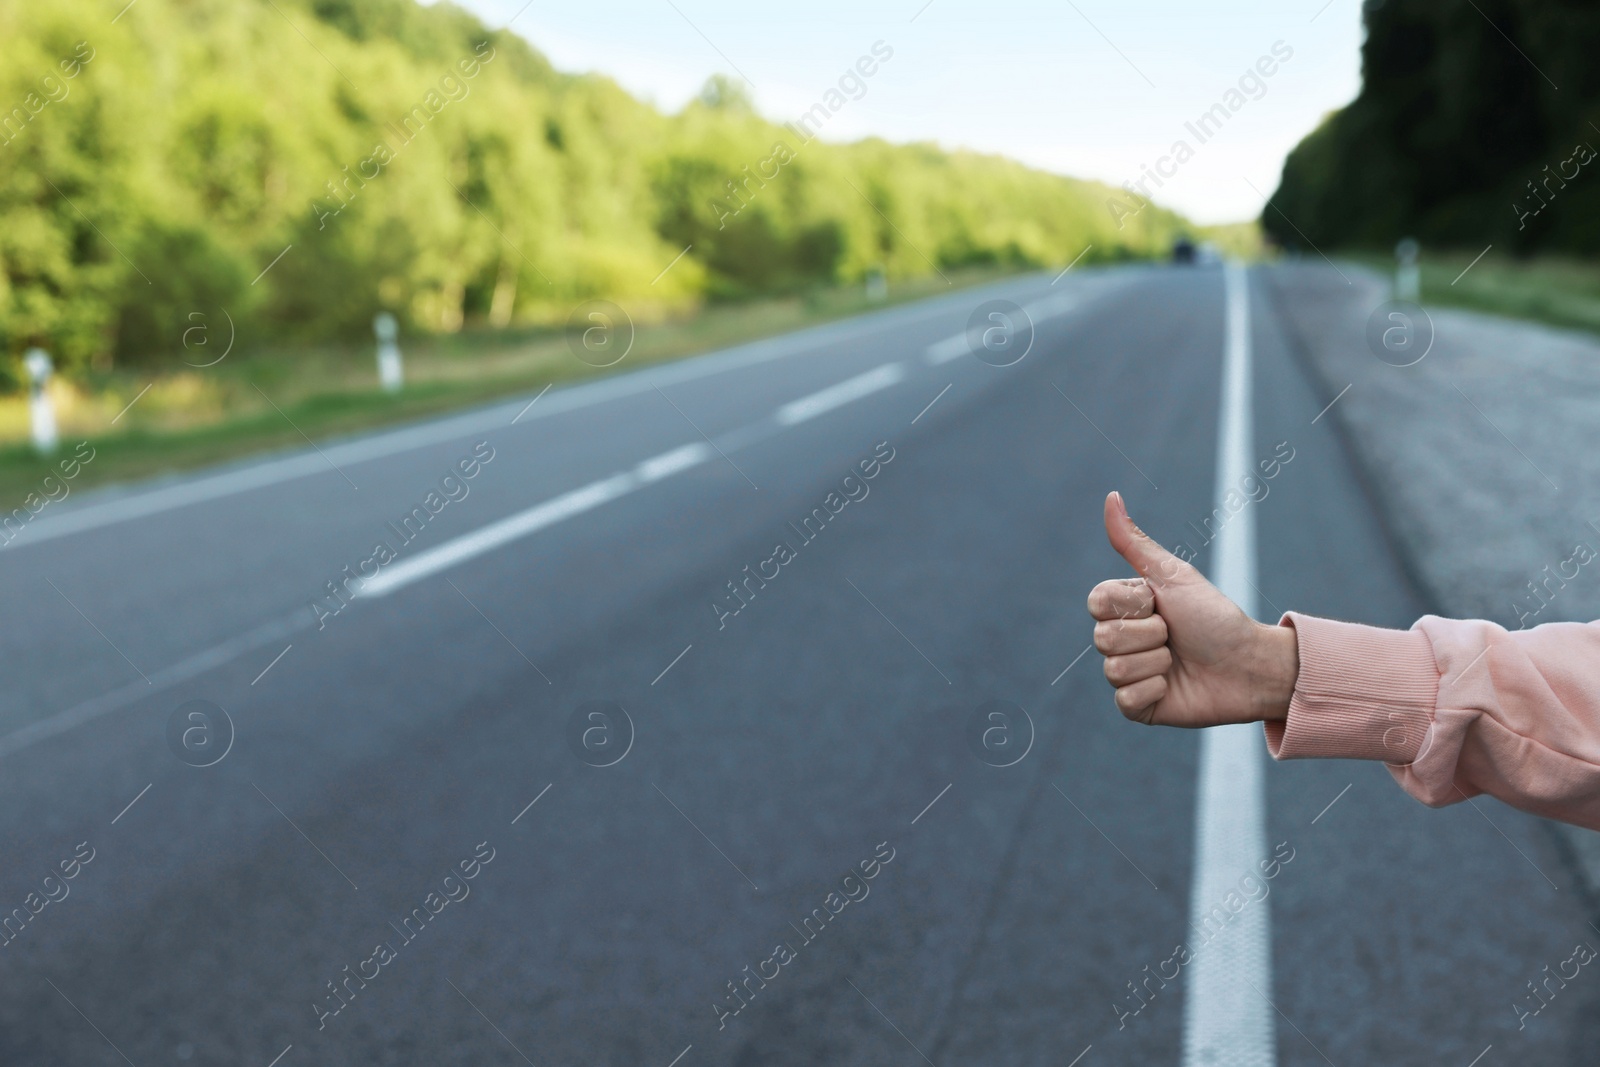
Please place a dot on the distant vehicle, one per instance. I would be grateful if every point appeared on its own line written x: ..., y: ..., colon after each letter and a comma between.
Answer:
x: 1183, y: 251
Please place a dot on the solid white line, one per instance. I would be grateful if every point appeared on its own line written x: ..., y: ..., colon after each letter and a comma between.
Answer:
x: 532, y: 402
x: 931, y: 803
x: 837, y: 396
x: 182, y: 671
x: 1223, y: 1023
x: 531, y: 803
x: 131, y: 803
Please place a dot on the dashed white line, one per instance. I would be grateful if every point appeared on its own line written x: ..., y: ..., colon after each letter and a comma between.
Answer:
x: 837, y: 396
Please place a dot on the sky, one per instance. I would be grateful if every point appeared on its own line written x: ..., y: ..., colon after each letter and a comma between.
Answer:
x: 1090, y: 88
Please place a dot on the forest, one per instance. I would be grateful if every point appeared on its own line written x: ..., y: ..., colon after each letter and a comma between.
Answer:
x: 301, y: 164
x: 1477, y: 121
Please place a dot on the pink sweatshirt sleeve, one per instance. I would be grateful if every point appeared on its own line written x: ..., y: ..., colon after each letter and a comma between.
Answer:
x: 1455, y: 708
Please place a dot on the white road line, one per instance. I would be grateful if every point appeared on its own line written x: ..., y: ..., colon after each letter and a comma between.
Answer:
x: 111, y: 506
x: 200, y: 663
x: 946, y: 350
x: 515, y: 527
x: 508, y: 529
x: 837, y: 396
x: 1224, y: 1022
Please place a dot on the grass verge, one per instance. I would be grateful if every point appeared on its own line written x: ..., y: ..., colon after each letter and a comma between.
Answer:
x: 1556, y: 291
x: 274, y: 399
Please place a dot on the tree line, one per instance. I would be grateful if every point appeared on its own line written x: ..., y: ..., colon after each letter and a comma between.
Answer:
x: 1477, y: 122
x: 301, y: 164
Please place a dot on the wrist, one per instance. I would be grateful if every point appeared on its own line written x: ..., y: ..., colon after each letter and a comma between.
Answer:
x: 1277, y: 668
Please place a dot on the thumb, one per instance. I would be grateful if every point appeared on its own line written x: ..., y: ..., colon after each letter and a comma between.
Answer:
x: 1134, y: 545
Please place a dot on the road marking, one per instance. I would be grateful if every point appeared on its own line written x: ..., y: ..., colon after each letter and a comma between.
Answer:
x: 837, y: 396
x: 532, y: 402
x: 531, y: 803
x: 131, y: 803
x: 185, y: 669
x: 946, y: 350
x: 931, y: 803
x: 117, y: 506
x: 1221, y: 1022
x: 514, y: 527
x: 586, y: 498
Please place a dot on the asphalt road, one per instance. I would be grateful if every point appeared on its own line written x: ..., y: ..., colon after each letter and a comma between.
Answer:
x: 825, y: 726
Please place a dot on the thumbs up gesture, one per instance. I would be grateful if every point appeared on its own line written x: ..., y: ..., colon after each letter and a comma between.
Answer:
x: 1178, y: 651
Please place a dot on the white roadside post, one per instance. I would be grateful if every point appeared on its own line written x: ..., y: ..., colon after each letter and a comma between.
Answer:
x: 1407, y: 275
x: 39, y: 406
x: 389, y: 372
x: 877, y: 284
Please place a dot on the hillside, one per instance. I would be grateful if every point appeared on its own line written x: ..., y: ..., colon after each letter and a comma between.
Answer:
x: 1477, y: 121
x: 409, y: 158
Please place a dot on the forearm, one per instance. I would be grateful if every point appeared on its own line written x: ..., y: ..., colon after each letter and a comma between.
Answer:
x: 1454, y: 707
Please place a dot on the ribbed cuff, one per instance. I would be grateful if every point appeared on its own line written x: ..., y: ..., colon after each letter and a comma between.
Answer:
x: 1362, y: 693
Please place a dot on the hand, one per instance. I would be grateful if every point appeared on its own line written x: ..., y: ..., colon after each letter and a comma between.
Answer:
x: 1179, y: 652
